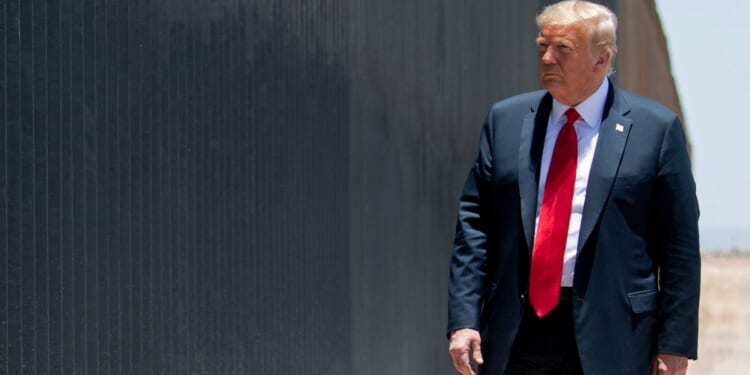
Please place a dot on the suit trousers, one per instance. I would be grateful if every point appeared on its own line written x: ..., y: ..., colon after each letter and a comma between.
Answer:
x: 546, y: 346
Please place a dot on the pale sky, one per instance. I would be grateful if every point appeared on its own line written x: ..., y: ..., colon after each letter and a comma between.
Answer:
x: 710, y: 57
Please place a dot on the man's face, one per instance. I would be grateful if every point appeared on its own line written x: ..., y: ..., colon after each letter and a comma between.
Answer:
x: 568, y: 68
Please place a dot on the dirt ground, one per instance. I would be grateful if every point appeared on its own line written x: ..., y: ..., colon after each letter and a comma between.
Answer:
x: 724, y: 341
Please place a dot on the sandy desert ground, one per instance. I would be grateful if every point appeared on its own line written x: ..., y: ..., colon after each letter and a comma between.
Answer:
x: 724, y: 341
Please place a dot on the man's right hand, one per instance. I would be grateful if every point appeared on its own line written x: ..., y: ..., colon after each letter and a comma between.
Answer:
x: 463, y: 342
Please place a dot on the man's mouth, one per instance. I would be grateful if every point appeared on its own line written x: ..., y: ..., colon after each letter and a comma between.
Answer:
x: 550, y: 75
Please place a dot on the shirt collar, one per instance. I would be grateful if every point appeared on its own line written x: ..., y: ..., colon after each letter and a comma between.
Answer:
x: 591, y: 109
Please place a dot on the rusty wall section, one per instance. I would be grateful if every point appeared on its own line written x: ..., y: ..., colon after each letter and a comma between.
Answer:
x: 643, y: 64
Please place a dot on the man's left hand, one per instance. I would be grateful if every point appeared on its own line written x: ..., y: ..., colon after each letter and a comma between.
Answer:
x: 667, y: 364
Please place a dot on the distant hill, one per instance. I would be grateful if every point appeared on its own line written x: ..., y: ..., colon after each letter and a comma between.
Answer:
x: 725, y: 239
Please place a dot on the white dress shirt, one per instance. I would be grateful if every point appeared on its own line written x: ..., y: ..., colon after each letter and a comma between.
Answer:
x: 587, y: 131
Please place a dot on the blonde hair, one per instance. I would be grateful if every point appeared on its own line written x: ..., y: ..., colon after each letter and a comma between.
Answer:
x: 602, y: 23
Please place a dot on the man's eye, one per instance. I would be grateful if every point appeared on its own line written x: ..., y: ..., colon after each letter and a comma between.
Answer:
x: 564, y: 48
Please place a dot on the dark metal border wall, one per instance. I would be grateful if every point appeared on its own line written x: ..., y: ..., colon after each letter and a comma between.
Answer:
x: 174, y: 183
x: 239, y: 187
x: 424, y: 75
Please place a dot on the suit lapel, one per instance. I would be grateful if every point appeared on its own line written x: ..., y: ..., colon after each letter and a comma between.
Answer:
x: 529, y: 162
x: 613, y: 135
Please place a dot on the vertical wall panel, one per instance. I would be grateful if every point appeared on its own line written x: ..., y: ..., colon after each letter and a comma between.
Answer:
x: 4, y: 256
x: 67, y: 342
x: 27, y: 170
x: 53, y: 180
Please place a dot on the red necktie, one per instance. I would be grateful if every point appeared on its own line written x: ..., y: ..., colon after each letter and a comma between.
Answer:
x: 554, y: 219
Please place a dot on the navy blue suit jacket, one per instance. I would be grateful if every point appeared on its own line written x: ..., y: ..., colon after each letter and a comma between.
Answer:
x: 637, y: 275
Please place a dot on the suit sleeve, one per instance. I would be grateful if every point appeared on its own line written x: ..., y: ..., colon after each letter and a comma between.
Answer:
x: 467, y: 267
x: 679, y: 250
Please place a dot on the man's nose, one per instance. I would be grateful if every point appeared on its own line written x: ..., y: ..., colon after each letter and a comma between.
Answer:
x: 548, y: 56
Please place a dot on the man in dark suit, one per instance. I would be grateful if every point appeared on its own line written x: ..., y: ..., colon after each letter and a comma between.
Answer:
x: 576, y: 248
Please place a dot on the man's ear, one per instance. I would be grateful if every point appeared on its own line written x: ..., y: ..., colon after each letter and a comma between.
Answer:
x: 602, y: 61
